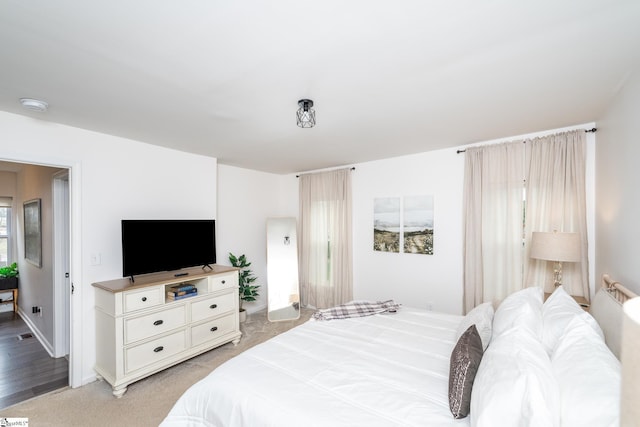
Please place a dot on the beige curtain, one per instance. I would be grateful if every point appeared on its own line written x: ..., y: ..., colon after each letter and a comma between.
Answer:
x: 325, y: 239
x: 493, y: 222
x: 556, y: 200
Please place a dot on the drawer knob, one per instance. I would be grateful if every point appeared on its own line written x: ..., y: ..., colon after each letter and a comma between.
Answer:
x: 158, y: 349
x: 212, y: 306
x: 215, y: 328
x: 144, y: 299
x: 158, y: 322
x: 224, y: 281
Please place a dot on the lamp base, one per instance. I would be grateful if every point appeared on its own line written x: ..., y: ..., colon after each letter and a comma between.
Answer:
x: 557, y: 274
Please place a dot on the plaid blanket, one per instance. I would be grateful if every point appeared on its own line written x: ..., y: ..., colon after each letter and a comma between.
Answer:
x: 356, y: 309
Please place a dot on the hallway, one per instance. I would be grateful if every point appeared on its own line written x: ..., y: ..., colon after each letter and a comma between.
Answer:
x: 26, y: 369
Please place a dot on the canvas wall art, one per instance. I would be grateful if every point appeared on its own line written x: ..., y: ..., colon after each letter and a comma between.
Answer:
x: 386, y: 224
x: 32, y: 232
x: 417, y: 224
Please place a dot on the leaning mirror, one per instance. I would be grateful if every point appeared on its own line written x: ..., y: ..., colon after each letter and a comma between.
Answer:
x: 283, y: 295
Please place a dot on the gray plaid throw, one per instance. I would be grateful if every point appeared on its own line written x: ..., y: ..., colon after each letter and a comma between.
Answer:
x: 356, y: 309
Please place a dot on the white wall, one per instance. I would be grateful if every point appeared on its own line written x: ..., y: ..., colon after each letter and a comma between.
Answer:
x: 411, y: 279
x: 246, y: 198
x: 111, y: 178
x: 7, y: 184
x: 425, y: 281
x: 36, y: 283
x: 618, y: 188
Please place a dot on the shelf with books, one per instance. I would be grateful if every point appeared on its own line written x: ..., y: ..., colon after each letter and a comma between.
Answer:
x: 187, y: 289
x: 174, y: 296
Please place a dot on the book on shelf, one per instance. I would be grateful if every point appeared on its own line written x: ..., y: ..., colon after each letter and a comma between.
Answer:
x: 178, y: 297
x: 180, y: 293
x: 182, y: 287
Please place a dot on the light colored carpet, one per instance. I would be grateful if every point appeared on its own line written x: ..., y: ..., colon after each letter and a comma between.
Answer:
x: 147, y: 401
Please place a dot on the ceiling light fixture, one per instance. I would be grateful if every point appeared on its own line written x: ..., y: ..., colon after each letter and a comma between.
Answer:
x: 306, y: 116
x: 34, y: 104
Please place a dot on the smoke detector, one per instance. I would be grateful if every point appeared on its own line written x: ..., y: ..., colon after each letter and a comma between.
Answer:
x: 34, y: 104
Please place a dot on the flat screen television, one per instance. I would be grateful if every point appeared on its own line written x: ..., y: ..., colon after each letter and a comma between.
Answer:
x: 150, y: 246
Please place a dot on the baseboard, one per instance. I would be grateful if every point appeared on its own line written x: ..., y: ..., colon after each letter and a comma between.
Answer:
x: 36, y: 332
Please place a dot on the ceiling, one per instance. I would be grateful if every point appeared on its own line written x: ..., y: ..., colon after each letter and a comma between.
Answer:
x: 388, y: 78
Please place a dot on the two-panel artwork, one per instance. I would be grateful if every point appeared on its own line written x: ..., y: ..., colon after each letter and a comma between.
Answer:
x: 408, y: 220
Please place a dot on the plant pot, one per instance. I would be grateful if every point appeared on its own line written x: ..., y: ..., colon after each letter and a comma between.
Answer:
x: 243, y: 315
x: 8, y: 283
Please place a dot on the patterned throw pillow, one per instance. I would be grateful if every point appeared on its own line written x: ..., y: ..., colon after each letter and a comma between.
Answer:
x: 464, y: 363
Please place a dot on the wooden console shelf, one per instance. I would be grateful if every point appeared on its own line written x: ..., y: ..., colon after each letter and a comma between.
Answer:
x: 141, y: 331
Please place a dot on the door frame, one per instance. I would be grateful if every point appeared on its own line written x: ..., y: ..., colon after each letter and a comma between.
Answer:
x: 61, y: 264
x: 74, y: 169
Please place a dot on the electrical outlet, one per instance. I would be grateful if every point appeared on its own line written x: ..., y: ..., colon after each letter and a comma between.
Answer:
x: 430, y: 306
x: 39, y: 311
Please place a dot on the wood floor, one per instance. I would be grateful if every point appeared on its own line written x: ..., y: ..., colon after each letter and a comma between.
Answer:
x: 26, y: 369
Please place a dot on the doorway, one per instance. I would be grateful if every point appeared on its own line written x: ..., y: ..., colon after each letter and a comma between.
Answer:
x: 48, y: 339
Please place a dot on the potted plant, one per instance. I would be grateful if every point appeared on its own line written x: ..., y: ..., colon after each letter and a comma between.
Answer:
x: 246, y: 290
x: 9, y: 277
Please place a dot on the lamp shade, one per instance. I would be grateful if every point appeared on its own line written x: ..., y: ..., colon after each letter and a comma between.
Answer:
x: 555, y: 246
x: 630, y: 359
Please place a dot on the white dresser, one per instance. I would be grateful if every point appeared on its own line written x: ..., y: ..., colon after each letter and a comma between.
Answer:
x: 140, y: 331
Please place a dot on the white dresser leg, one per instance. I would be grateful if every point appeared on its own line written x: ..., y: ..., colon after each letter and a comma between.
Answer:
x: 118, y: 392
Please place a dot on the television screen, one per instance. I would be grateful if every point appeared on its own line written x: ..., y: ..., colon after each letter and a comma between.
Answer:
x: 150, y: 246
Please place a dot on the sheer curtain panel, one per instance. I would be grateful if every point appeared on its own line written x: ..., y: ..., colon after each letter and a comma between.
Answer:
x: 493, y: 222
x: 556, y: 201
x: 325, y: 238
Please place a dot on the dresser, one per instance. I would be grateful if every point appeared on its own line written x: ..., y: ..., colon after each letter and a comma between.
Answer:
x: 140, y: 330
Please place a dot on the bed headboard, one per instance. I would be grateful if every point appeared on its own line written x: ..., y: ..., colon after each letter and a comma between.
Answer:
x: 606, y: 308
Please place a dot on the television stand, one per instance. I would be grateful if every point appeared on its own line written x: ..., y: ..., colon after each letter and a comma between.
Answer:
x: 141, y: 330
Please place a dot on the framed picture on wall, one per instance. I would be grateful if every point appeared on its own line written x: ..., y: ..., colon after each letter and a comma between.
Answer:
x: 33, y: 232
x: 386, y: 224
x: 417, y: 224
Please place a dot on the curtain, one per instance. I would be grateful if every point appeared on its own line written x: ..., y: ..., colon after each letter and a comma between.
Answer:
x: 325, y: 239
x: 556, y: 200
x: 493, y: 222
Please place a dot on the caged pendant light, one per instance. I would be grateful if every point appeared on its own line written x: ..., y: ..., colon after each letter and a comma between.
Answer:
x: 306, y: 116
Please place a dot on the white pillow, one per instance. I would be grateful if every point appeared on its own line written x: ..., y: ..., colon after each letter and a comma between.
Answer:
x: 589, y: 378
x: 557, y: 311
x: 522, y: 309
x: 482, y: 317
x: 514, y: 385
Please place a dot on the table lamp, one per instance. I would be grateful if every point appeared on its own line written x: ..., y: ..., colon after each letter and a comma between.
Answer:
x: 557, y: 247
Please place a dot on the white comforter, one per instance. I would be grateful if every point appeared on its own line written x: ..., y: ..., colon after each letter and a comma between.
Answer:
x: 381, y: 370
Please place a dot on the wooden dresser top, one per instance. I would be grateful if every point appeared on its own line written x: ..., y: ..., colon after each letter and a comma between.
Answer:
x: 166, y: 277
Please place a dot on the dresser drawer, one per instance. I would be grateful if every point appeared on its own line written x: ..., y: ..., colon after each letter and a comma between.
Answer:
x: 224, y: 281
x: 212, y: 306
x: 146, y: 326
x: 146, y: 354
x: 212, y: 329
x: 143, y: 298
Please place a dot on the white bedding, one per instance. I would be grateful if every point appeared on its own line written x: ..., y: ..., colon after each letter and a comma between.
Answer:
x: 381, y: 370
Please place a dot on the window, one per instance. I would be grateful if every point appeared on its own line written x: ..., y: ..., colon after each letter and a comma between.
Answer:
x: 5, y: 235
x: 325, y: 238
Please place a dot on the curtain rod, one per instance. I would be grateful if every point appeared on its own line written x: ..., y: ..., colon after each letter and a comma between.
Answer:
x: 592, y: 130
x: 353, y: 168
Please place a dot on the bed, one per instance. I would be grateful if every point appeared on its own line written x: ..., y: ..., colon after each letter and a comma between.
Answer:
x: 397, y: 369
